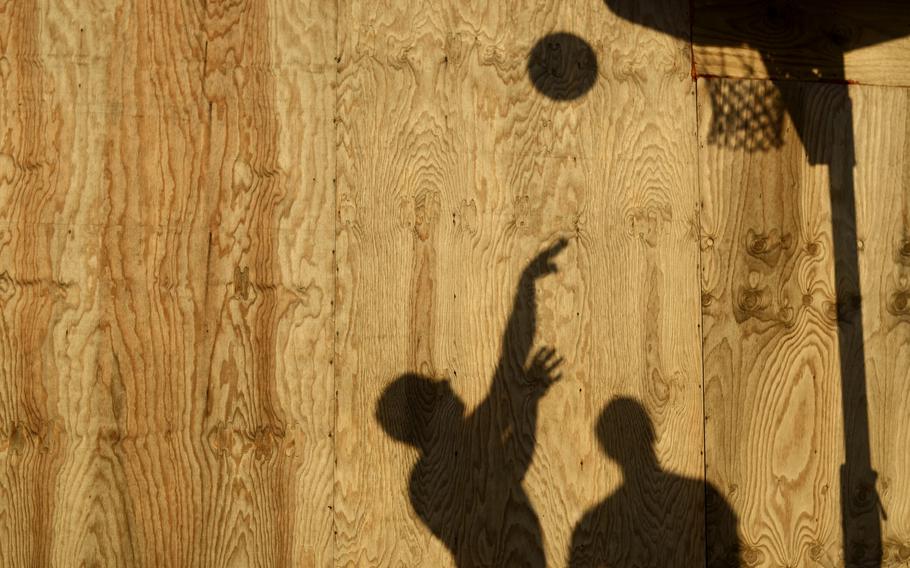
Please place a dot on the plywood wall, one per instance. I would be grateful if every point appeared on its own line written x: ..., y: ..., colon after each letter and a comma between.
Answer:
x: 227, y: 228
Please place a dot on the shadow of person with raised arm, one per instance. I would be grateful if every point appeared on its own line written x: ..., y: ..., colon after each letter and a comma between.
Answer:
x: 656, y: 517
x: 467, y: 483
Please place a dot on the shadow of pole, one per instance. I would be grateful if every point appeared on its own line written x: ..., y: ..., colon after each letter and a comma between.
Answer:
x: 812, y: 27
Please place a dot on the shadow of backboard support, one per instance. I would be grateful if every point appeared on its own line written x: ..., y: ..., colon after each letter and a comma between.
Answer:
x: 807, y: 41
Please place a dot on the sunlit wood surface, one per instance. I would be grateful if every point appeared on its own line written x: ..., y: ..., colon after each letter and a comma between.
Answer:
x: 227, y: 227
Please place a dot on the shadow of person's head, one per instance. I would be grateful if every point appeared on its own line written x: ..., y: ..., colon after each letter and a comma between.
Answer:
x: 686, y: 522
x: 413, y: 407
x: 626, y: 434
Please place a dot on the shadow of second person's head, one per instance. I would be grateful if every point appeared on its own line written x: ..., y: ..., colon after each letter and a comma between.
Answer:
x: 626, y: 434
x: 655, y: 517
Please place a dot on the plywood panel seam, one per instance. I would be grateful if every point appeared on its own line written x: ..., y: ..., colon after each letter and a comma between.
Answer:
x: 700, y: 280
x: 336, y: 58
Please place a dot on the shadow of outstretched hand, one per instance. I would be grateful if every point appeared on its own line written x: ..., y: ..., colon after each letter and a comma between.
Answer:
x: 543, y: 264
x: 542, y: 372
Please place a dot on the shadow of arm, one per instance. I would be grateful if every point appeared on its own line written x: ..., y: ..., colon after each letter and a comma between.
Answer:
x: 519, y: 383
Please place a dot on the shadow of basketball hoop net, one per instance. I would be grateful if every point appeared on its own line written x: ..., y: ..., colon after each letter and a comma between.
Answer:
x: 747, y: 115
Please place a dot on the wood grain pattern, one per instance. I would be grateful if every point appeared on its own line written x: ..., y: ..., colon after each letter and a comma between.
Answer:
x: 882, y: 126
x: 168, y: 210
x: 53, y: 475
x: 269, y: 292
x: 154, y: 238
x: 453, y: 172
x: 774, y: 430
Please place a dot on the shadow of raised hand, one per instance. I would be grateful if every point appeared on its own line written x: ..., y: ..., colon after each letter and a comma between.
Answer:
x: 542, y: 373
x: 543, y: 264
